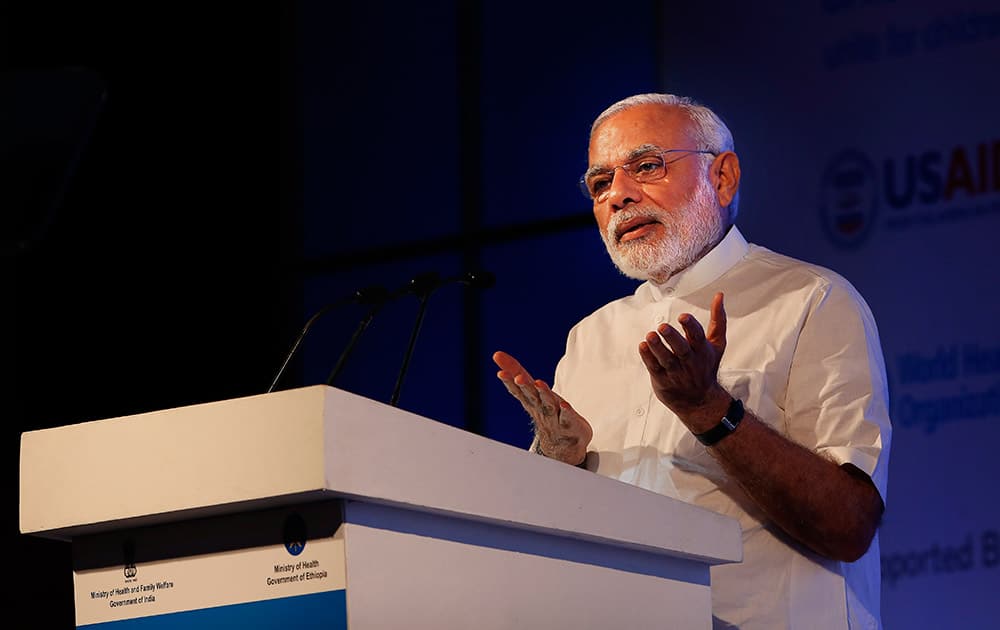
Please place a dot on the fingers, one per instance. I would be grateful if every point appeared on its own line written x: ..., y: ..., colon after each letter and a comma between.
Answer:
x: 692, y: 330
x: 512, y: 388
x: 541, y: 403
x: 530, y: 395
x: 552, y: 405
x: 675, y: 347
x: 510, y: 365
x: 512, y: 373
x: 717, y: 324
x: 520, y: 388
x: 667, y: 349
x: 567, y: 427
x: 694, y: 336
x: 649, y: 359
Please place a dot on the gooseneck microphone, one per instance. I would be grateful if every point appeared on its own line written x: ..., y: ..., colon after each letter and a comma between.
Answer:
x: 361, y: 327
x: 374, y: 295
x: 418, y: 285
x: 422, y: 286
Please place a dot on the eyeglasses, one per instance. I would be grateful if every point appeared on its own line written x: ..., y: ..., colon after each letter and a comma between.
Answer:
x: 648, y: 167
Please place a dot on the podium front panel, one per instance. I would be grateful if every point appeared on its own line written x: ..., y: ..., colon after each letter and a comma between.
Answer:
x: 410, y: 569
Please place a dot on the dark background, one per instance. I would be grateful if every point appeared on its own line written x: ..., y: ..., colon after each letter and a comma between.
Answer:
x: 147, y: 253
x: 162, y: 245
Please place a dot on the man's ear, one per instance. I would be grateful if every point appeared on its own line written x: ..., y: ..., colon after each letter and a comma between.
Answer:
x: 725, y: 177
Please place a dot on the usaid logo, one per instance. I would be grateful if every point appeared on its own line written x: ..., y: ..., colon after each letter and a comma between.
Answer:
x: 914, y: 191
x: 849, y: 199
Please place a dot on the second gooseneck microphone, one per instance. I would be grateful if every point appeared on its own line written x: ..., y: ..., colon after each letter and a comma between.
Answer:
x: 376, y: 296
x: 422, y: 286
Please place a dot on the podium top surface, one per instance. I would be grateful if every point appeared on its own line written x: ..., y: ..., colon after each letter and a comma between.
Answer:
x: 302, y: 444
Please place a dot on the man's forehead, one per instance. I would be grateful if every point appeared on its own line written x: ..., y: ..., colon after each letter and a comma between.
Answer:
x: 643, y: 127
x: 630, y: 155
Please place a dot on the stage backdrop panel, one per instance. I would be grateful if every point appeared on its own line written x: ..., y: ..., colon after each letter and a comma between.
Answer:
x: 869, y: 143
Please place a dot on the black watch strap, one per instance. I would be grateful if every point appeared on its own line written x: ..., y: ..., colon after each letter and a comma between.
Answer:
x: 726, y: 426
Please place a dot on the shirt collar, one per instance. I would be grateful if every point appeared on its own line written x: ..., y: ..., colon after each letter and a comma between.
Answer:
x: 720, y: 259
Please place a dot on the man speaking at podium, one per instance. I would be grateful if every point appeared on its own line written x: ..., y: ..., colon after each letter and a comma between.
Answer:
x: 734, y: 378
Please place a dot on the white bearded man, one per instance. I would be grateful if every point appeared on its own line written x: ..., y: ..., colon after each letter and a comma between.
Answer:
x: 766, y: 401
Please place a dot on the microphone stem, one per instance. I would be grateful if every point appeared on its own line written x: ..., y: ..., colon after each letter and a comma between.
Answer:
x: 362, y: 326
x: 298, y: 341
x: 409, y: 350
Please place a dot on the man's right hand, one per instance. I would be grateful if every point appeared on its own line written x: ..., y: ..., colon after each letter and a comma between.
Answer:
x: 561, y: 432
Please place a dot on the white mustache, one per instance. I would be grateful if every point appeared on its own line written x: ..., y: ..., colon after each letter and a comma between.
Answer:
x: 611, y: 231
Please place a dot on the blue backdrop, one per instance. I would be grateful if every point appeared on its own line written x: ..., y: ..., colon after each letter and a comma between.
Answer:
x: 869, y: 142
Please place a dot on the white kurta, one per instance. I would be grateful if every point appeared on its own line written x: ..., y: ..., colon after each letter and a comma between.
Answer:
x: 803, y: 354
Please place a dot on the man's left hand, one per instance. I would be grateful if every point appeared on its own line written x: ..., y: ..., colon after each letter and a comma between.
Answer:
x: 684, y: 368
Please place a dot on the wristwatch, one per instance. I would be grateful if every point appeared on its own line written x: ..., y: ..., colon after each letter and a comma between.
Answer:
x: 726, y: 426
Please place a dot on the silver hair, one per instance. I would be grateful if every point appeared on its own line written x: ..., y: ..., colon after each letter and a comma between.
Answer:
x: 710, y: 132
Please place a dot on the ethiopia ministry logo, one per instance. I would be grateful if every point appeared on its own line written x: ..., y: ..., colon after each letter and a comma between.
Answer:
x: 849, y: 199
x: 295, y: 534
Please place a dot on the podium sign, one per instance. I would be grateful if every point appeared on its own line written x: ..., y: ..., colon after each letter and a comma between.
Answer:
x: 297, y: 581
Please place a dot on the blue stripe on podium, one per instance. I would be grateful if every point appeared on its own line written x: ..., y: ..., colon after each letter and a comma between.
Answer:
x: 319, y: 610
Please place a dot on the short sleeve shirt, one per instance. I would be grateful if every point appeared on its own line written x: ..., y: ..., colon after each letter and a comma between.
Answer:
x: 803, y: 354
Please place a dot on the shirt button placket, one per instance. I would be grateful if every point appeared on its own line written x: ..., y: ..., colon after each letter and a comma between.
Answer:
x: 636, y: 429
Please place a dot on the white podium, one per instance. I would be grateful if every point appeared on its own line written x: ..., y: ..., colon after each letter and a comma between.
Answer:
x: 315, y: 507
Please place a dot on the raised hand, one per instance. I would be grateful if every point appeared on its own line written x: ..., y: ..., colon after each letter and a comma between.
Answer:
x: 562, y: 433
x: 683, y: 369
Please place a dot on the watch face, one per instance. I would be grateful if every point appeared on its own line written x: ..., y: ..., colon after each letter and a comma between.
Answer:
x: 726, y: 426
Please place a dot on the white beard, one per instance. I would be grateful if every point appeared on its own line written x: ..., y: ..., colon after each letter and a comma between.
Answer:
x: 689, y: 231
